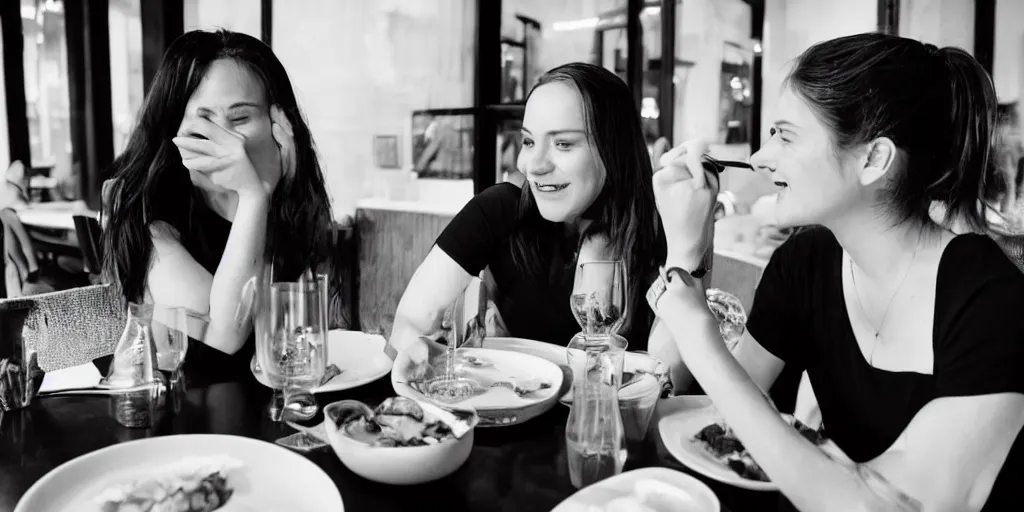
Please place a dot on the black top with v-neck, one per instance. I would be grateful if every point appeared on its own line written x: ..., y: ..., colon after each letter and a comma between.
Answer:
x: 800, y: 315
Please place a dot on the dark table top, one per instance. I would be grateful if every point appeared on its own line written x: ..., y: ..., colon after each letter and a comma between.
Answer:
x: 520, y: 468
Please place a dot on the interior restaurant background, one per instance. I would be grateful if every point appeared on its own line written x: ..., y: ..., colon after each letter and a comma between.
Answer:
x: 415, y: 104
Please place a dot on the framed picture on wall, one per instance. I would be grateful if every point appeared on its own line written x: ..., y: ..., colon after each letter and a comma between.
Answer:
x: 385, y: 151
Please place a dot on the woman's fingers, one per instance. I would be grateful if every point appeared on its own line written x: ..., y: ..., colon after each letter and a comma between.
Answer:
x: 695, y: 150
x: 203, y: 164
x: 194, y: 146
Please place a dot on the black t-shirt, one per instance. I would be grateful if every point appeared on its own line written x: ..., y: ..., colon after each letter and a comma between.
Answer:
x: 480, y: 237
x: 799, y: 315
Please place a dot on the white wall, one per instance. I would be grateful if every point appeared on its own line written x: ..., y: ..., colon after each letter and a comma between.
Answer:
x: 940, y: 22
x: 360, y: 68
x: 1008, y: 61
x: 235, y: 15
x: 792, y: 26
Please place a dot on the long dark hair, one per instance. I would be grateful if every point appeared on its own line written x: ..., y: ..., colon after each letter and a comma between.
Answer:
x: 938, y: 105
x: 151, y: 184
x: 624, y: 210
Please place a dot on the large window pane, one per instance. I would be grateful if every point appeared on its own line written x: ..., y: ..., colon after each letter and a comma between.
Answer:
x: 126, y: 82
x: 46, y: 97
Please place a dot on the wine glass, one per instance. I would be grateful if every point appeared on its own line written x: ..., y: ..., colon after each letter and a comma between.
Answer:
x: 599, y: 297
x: 454, y: 385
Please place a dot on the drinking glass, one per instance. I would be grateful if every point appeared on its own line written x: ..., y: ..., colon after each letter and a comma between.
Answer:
x: 453, y: 385
x: 599, y: 297
x: 295, y: 345
x: 172, y: 328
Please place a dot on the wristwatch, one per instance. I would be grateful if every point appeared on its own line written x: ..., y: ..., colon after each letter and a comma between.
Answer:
x: 672, y: 274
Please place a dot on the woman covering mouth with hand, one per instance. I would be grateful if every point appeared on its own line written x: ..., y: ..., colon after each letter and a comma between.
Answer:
x: 588, y: 196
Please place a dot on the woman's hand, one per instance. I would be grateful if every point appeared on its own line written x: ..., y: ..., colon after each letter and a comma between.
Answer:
x: 686, y: 201
x: 422, y: 357
x: 219, y: 154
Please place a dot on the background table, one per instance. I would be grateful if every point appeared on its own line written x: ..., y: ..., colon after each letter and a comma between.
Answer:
x: 518, y: 468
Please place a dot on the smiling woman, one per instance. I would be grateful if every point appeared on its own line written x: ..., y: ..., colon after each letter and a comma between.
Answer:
x: 588, y: 196
x: 219, y: 176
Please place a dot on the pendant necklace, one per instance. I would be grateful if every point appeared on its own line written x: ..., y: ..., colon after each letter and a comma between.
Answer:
x: 885, y: 314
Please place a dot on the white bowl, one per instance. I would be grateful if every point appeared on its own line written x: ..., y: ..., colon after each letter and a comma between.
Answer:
x: 402, y: 465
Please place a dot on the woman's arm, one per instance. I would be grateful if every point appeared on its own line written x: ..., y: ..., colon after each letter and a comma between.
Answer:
x: 176, y: 279
x: 436, y: 284
x: 947, y: 458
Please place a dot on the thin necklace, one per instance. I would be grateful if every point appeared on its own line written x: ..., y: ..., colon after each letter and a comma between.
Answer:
x: 885, y: 314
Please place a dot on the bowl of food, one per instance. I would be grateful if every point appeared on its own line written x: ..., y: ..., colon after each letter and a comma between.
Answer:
x: 401, y: 442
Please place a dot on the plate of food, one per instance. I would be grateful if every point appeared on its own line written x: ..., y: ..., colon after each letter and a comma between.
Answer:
x: 641, y: 372
x: 171, y: 473
x: 356, y: 359
x: 505, y: 388
x: 697, y: 435
x: 644, y: 490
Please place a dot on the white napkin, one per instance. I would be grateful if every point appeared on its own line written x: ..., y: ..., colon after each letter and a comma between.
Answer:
x: 80, y: 376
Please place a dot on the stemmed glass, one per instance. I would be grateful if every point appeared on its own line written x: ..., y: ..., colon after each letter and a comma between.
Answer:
x: 453, y: 385
x: 599, y: 304
x: 599, y: 298
x: 173, y: 328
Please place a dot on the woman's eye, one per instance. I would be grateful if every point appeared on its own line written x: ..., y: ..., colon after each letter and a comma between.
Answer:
x: 527, y: 143
x: 562, y: 144
x: 240, y: 120
x: 771, y: 132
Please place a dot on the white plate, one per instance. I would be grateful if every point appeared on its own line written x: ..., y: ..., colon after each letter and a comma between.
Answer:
x: 360, y: 357
x: 677, y: 428
x: 271, y: 478
x: 497, y: 406
x: 602, y: 492
x: 557, y: 355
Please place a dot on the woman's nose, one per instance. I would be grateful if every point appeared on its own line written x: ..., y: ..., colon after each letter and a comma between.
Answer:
x: 763, y: 160
x: 537, y: 162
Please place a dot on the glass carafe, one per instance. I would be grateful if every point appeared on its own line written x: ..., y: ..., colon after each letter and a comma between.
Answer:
x: 134, y: 362
x: 594, y: 436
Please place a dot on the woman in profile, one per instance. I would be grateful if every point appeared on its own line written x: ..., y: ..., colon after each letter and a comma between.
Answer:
x: 908, y: 327
x: 587, y: 196
x: 220, y: 175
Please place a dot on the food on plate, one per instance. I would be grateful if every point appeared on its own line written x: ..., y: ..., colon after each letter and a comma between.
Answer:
x: 719, y: 441
x: 398, y: 421
x: 652, y: 496
x: 330, y: 372
x: 198, y: 484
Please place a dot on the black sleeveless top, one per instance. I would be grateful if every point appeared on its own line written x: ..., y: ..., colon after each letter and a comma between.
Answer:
x: 205, y: 237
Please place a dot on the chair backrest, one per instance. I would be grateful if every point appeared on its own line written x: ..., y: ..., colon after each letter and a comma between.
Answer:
x: 71, y: 327
x: 87, y: 229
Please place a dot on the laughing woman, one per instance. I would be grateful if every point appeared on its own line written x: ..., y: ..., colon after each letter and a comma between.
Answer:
x: 587, y: 196
x: 910, y: 333
x: 220, y: 175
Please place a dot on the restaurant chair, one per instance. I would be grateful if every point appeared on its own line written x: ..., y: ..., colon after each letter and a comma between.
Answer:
x: 71, y: 327
x: 87, y: 230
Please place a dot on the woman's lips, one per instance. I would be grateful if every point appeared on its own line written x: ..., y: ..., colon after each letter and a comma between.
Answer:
x: 550, y: 187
